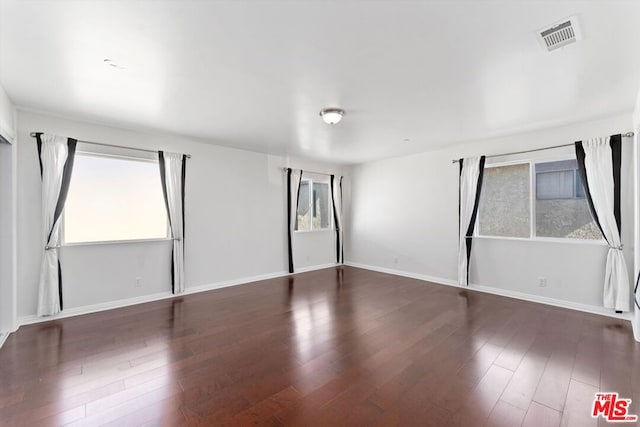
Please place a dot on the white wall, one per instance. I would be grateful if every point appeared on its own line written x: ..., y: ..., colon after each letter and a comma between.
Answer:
x: 7, y: 116
x: 404, y: 217
x: 235, y: 221
x: 7, y: 216
x: 7, y: 239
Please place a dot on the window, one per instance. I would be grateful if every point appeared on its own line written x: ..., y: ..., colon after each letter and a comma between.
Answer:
x: 505, y: 205
x: 561, y: 205
x: 314, y: 210
x: 555, y: 205
x: 114, y: 198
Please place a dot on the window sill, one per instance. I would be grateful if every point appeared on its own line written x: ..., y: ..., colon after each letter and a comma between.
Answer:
x: 592, y: 242
x: 116, y: 242
x: 323, y: 230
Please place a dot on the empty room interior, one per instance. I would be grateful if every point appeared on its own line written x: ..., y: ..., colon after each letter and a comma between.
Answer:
x: 319, y: 213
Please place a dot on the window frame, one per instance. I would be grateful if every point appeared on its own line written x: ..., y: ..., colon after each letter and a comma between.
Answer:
x: 321, y: 180
x: 532, y: 205
x: 118, y: 156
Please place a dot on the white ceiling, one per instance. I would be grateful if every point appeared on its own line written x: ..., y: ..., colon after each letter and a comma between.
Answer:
x: 254, y: 74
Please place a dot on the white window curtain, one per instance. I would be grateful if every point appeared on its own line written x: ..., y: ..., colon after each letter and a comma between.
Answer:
x: 636, y: 289
x: 599, y: 161
x: 471, y: 171
x: 636, y: 317
x: 336, y: 198
x: 293, y: 192
x: 172, y: 174
x: 56, y: 165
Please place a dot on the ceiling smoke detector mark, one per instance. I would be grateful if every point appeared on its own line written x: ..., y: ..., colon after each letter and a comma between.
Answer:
x: 560, y: 34
x: 111, y: 63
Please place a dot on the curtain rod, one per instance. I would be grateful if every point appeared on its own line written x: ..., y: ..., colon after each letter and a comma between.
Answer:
x: 34, y: 134
x: 625, y: 135
x: 317, y: 173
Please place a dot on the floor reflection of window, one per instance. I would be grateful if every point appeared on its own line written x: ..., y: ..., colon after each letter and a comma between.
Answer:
x: 313, y: 323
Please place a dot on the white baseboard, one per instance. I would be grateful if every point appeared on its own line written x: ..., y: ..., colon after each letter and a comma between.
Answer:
x: 3, y: 338
x: 497, y: 291
x: 316, y: 267
x: 228, y: 283
x: 94, y: 308
x: 251, y: 279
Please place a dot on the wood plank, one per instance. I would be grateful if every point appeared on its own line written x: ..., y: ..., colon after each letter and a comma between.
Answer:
x: 505, y: 415
x: 541, y: 416
x: 523, y: 384
x: 577, y: 411
x: 554, y: 383
x: 481, y: 401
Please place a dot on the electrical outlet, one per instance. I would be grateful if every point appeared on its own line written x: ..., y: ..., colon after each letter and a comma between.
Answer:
x: 395, y: 260
x: 542, y: 282
x: 138, y: 282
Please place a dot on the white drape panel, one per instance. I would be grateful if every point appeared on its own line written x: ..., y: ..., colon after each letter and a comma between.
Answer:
x: 336, y: 193
x: 636, y: 317
x: 173, y: 185
x: 294, y: 188
x: 53, y: 156
x: 636, y: 293
x: 599, y: 168
x: 468, y: 188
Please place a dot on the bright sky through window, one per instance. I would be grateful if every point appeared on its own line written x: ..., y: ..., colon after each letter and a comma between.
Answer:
x: 112, y: 198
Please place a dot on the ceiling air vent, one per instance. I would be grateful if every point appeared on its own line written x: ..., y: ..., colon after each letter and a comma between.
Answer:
x: 560, y: 34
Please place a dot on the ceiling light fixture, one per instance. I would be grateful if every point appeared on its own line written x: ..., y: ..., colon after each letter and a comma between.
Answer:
x: 331, y: 116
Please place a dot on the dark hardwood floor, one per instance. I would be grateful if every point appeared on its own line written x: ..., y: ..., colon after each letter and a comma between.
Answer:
x: 336, y: 347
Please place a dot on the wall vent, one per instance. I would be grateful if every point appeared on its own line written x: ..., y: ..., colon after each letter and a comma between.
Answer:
x: 560, y: 34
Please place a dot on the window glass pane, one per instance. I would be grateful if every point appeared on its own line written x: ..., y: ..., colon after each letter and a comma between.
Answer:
x: 579, y: 187
x: 558, y: 213
x: 114, y: 199
x: 558, y: 165
x: 555, y: 185
x: 505, y: 202
x: 303, y: 220
x: 320, y: 205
